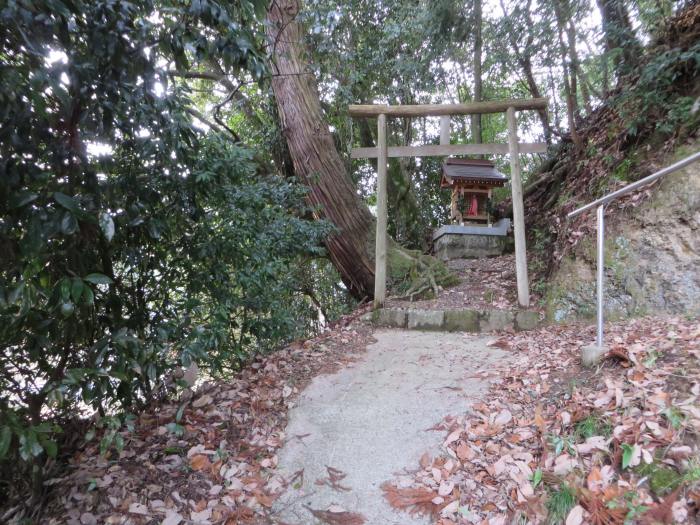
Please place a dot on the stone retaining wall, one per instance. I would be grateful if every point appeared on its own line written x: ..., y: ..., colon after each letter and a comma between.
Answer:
x: 456, y: 320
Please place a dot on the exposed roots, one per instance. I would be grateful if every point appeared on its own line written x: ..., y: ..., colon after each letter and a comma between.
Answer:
x: 414, y: 275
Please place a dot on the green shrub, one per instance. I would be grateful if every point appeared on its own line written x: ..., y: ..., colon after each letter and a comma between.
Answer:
x: 167, y: 246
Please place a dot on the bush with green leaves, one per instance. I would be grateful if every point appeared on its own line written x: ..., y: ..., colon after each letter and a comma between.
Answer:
x: 661, y: 101
x: 132, y: 241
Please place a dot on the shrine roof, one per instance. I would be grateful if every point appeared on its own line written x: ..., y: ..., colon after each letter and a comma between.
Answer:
x: 471, y: 171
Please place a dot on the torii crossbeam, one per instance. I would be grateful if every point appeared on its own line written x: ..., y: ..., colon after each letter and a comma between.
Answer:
x: 445, y: 149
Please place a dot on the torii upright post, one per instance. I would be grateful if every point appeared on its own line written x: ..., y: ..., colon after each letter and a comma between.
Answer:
x: 382, y: 153
x: 516, y: 186
x: 380, y: 246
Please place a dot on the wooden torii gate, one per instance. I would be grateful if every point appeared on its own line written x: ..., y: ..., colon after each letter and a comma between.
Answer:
x: 444, y: 149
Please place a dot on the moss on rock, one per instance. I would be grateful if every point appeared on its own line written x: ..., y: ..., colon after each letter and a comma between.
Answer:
x: 416, y: 275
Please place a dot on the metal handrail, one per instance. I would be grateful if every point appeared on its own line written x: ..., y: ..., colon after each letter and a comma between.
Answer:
x: 599, y: 204
x: 635, y: 185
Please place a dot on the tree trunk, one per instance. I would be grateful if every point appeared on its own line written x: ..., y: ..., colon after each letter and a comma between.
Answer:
x: 619, y: 35
x: 524, y: 59
x: 476, y: 119
x: 314, y: 155
x: 318, y: 164
x: 569, y: 75
x: 575, y: 62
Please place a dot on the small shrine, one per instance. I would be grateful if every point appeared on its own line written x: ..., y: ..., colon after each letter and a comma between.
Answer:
x: 472, y: 232
x: 473, y: 235
x: 471, y: 181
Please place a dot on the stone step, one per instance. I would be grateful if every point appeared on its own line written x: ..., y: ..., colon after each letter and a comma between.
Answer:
x: 456, y: 320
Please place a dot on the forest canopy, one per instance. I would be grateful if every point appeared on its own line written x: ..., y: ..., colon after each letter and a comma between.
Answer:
x: 160, y: 208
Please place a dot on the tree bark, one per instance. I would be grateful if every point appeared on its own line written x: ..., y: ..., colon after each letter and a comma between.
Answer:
x: 314, y: 155
x: 476, y: 119
x: 575, y: 62
x: 331, y: 191
x: 619, y: 35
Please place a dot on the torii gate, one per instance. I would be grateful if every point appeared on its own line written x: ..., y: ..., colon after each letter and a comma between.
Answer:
x: 445, y: 149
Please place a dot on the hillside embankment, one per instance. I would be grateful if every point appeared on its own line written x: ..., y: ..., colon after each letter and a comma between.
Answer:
x: 653, y: 236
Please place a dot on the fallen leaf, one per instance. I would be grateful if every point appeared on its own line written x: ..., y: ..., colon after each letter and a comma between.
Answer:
x: 564, y: 464
x: 201, y: 517
x: 465, y: 452
x: 503, y: 418
x: 139, y: 508
x: 539, y: 420
x: 337, y: 518
x: 172, y: 518
x: 445, y: 488
x: 202, y: 401
x: 450, y: 508
x: 200, y: 462
x: 414, y: 499
x: 575, y: 516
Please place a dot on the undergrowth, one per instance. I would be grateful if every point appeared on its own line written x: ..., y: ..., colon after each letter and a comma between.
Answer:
x: 559, y: 503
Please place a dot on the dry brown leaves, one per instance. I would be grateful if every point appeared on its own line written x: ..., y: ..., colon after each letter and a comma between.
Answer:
x: 333, y: 480
x: 546, y: 423
x: 336, y: 515
x: 487, y: 284
x: 415, y: 500
x: 221, y: 469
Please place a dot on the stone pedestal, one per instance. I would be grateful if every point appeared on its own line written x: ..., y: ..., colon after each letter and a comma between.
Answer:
x: 471, y: 242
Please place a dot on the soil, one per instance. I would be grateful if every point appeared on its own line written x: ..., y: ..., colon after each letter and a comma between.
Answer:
x: 484, y: 284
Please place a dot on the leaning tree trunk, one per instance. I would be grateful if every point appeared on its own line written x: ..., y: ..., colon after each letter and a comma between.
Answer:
x: 315, y: 158
x: 318, y: 164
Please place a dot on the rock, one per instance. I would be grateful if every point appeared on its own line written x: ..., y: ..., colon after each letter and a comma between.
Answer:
x: 426, y: 319
x: 527, y: 320
x: 205, y: 400
x: 393, y: 317
x: 592, y: 354
x: 651, y: 257
x: 462, y: 321
x: 190, y: 375
x: 495, y: 320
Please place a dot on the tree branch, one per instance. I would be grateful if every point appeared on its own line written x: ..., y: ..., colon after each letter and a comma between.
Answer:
x: 232, y: 135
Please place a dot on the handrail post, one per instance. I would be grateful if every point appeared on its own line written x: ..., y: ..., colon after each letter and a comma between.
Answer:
x: 600, y: 273
x: 591, y: 354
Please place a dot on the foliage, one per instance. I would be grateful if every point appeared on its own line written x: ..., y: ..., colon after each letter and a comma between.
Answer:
x: 652, y: 104
x: 132, y: 243
x: 593, y: 425
x: 137, y: 239
x: 559, y: 503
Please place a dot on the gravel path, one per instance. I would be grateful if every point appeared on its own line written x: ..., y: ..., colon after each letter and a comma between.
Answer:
x: 370, y: 421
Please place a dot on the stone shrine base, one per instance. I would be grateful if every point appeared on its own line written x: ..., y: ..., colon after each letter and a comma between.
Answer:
x: 453, y: 241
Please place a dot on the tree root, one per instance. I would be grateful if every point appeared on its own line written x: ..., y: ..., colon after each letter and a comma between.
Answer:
x: 414, y: 275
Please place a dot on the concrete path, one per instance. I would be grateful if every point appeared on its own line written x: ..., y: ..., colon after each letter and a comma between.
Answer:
x: 370, y: 421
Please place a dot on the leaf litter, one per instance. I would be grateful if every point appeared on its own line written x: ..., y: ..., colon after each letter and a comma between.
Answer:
x: 487, y: 283
x: 623, y: 438
x: 220, y: 466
